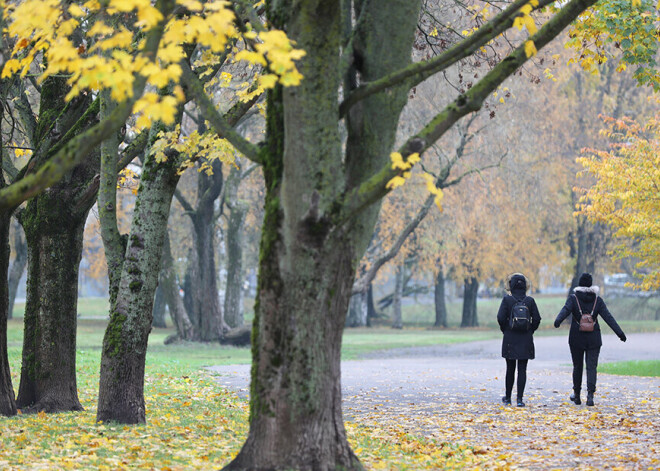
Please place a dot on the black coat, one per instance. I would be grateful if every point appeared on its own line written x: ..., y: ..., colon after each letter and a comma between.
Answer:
x: 517, y: 345
x: 586, y: 297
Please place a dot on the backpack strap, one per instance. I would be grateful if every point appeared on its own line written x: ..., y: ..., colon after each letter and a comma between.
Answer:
x: 578, y: 304
x: 580, y: 309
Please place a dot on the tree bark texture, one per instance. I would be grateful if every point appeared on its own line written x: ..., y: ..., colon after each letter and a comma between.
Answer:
x: 55, y: 237
x: 308, y: 261
x: 397, y: 319
x: 18, y: 267
x: 471, y: 288
x: 439, y: 297
x: 7, y: 402
x: 121, y: 384
x: 53, y: 223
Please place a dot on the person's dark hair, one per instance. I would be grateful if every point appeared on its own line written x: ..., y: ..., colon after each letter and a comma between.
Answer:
x: 585, y: 280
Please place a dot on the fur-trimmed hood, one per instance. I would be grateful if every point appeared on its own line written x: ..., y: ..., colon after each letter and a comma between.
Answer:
x: 587, y: 289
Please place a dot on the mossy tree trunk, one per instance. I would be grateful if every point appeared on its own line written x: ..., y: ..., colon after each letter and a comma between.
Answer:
x: 18, y: 267
x: 48, y: 372
x: 53, y: 222
x: 471, y: 288
x: 308, y: 257
x: 7, y: 402
x: 121, y: 384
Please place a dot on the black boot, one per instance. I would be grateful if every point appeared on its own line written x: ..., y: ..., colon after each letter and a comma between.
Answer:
x: 506, y: 401
x: 590, y: 398
x: 575, y: 397
x: 520, y: 402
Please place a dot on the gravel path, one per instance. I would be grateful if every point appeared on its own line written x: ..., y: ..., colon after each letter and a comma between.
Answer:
x: 452, y: 393
x: 474, y: 370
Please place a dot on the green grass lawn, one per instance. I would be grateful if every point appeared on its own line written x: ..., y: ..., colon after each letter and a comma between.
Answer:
x: 192, y: 422
x: 632, y: 368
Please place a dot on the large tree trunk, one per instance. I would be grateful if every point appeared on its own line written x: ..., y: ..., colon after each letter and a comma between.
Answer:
x: 121, y: 385
x: 7, y: 403
x: 471, y: 288
x: 308, y: 257
x: 54, y: 222
x: 439, y: 297
x: 18, y: 267
x: 54, y: 237
x: 397, y: 321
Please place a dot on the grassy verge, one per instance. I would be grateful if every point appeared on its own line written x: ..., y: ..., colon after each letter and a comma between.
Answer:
x: 632, y: 368
x: 192, y: 422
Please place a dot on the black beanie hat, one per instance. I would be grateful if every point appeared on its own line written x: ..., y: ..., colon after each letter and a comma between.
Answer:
x: 585, y: 280
x: 518, y: 282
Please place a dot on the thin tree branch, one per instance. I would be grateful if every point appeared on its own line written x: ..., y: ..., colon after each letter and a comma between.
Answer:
x: 135, y: 148
x: 80, y: 146
x: 376, y: 187
x: 419, y: 71
x: 210, y: 112
x: 187, y: 207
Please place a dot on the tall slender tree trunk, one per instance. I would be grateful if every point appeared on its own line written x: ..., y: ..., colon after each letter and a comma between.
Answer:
x: 121, y: 384
x: 18, y: 267
x: 397, y: 321
x: 201, y: 283
x: 7, y: 402
x: 54, y: 237
x: 439, y: 297
x: 584, y: 248
x: 180, y: 319
x: 471, y: 288
x: 234, y: 245
x: 209, y: 317
x: 371, y: 308
x: 159, y: 308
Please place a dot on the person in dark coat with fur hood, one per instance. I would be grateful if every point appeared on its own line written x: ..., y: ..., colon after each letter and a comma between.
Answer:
x: 517, y: 341
x: 586, y: 344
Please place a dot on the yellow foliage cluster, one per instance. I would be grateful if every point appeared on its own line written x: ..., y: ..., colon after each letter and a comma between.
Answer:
x: 405, y: 167
x: 626, y: 194
x: 524, y: 19
x: 205, y: 147
x: 100, y: 45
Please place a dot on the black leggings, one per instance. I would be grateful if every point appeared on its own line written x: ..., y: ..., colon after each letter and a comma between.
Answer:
x: 578, y: 355
x: 522, y: 376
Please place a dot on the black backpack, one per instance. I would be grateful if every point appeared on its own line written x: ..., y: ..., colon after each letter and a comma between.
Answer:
x: 520, y: 319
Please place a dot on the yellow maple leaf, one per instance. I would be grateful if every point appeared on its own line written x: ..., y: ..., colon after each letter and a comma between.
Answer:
x: 530, y: 48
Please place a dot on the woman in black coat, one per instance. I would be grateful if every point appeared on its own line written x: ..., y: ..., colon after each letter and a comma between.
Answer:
x: 585, y: 300
x: 518, y: 342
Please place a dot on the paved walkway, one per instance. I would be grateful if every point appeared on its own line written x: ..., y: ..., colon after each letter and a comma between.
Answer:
x: 452, y: 393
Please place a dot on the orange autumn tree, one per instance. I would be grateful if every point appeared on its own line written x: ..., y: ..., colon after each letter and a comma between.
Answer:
x: 626, y: 194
